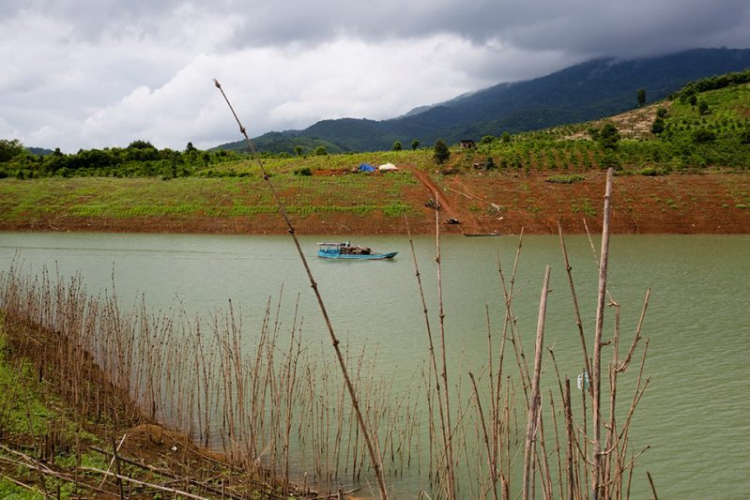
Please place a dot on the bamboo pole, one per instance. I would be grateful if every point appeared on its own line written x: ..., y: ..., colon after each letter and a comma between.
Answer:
x: 596, y: 472
x: 534, y: 403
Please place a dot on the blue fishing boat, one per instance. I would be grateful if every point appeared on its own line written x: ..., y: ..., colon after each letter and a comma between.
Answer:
x: 346, y: 250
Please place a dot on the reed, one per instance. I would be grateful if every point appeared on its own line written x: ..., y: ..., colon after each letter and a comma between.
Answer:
x: 266, y: 397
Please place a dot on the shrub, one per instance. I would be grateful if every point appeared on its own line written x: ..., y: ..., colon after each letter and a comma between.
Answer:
x: 608, y: 137
x: 442, y: 153
x: 657, y: 127
x: 304, y: 171
x: 653, y: 171
x: 566, y: 179
x: 702, y: 135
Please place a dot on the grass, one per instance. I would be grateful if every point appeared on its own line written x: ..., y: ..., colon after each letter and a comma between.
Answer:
x: 193, y: 197
x: 30, y: 412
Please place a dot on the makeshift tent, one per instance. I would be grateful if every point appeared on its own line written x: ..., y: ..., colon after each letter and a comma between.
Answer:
x: 366, y: 167
x: 388, y: 167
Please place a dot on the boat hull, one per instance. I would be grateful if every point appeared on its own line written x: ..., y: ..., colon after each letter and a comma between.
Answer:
x: 372, y: 256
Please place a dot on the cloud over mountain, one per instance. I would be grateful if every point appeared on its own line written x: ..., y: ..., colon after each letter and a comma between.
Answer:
x: 81, y: 74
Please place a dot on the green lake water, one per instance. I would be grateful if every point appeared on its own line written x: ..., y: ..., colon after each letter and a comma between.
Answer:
x: 695, y: 416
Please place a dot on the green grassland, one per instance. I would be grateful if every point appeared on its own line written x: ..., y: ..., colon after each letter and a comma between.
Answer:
x: 190, y: 197
x: 705, y: 128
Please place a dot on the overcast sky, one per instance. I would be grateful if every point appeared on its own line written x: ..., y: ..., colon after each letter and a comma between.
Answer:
x: 97, y: 73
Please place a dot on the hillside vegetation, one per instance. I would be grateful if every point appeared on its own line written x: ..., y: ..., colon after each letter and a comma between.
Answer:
x: 702, y: 129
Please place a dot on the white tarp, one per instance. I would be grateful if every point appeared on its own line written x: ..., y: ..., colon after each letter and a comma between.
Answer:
x: 388, y: 167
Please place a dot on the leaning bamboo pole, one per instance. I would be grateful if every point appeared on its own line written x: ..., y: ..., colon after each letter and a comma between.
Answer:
x: 375, y: 458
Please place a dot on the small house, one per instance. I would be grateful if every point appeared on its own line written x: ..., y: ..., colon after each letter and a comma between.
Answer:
x: 467, y: 144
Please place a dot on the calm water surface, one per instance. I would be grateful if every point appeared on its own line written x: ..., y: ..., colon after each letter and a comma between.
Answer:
x: 696, y: 413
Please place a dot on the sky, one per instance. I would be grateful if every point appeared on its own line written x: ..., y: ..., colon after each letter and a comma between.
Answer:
x: 82, y: 74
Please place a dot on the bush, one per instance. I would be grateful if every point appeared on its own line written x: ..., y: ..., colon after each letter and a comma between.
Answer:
x: 566, y: 179
x: 608, y: 137
x: 653, y: 171
x: 442, y: 153
x: 702, y: 135
x: 304, y: 171
x: 657, y: 127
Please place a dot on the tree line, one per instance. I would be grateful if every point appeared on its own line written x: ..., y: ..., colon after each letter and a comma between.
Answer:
x: 139, y: 159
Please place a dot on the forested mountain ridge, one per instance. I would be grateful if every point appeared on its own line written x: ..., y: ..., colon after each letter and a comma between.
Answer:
x: 583, y: 92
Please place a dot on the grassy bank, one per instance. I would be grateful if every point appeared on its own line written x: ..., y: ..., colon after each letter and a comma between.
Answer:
x: 345, y: 203
x: 92, y: 442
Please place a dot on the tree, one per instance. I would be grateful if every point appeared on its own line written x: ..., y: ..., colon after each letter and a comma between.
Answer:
x: 611, y: 159
x: 505, y: 138
x: 298, y: 150
x: 397, y: 146
x: 702, y: 135
x: 414, y: 144
x: 139, y: 144
x: 608, y: 137
x: 442, y: 153
x: 10, y: 149
x: 703, y: 107
x: 321, y: 151
x: 641, y: 96
x: 658, y: 126
x: 487, y: 139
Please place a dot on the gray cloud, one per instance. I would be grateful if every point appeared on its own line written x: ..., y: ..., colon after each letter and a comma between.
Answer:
x: 80, y: 74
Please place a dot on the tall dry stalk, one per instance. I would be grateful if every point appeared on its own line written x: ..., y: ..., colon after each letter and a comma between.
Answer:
x: 535, y: 402
x: 597, y: 478
x: 370, y: 441
x: 276, y: 400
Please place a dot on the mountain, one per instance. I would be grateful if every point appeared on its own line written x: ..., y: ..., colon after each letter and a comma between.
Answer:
x: 40, y: 151
x: 587, y: 91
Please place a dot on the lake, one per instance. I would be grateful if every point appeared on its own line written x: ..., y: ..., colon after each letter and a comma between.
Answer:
x: 694, y: 412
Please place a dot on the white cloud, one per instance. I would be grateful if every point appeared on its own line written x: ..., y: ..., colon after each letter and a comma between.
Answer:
x: 80, y: 74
